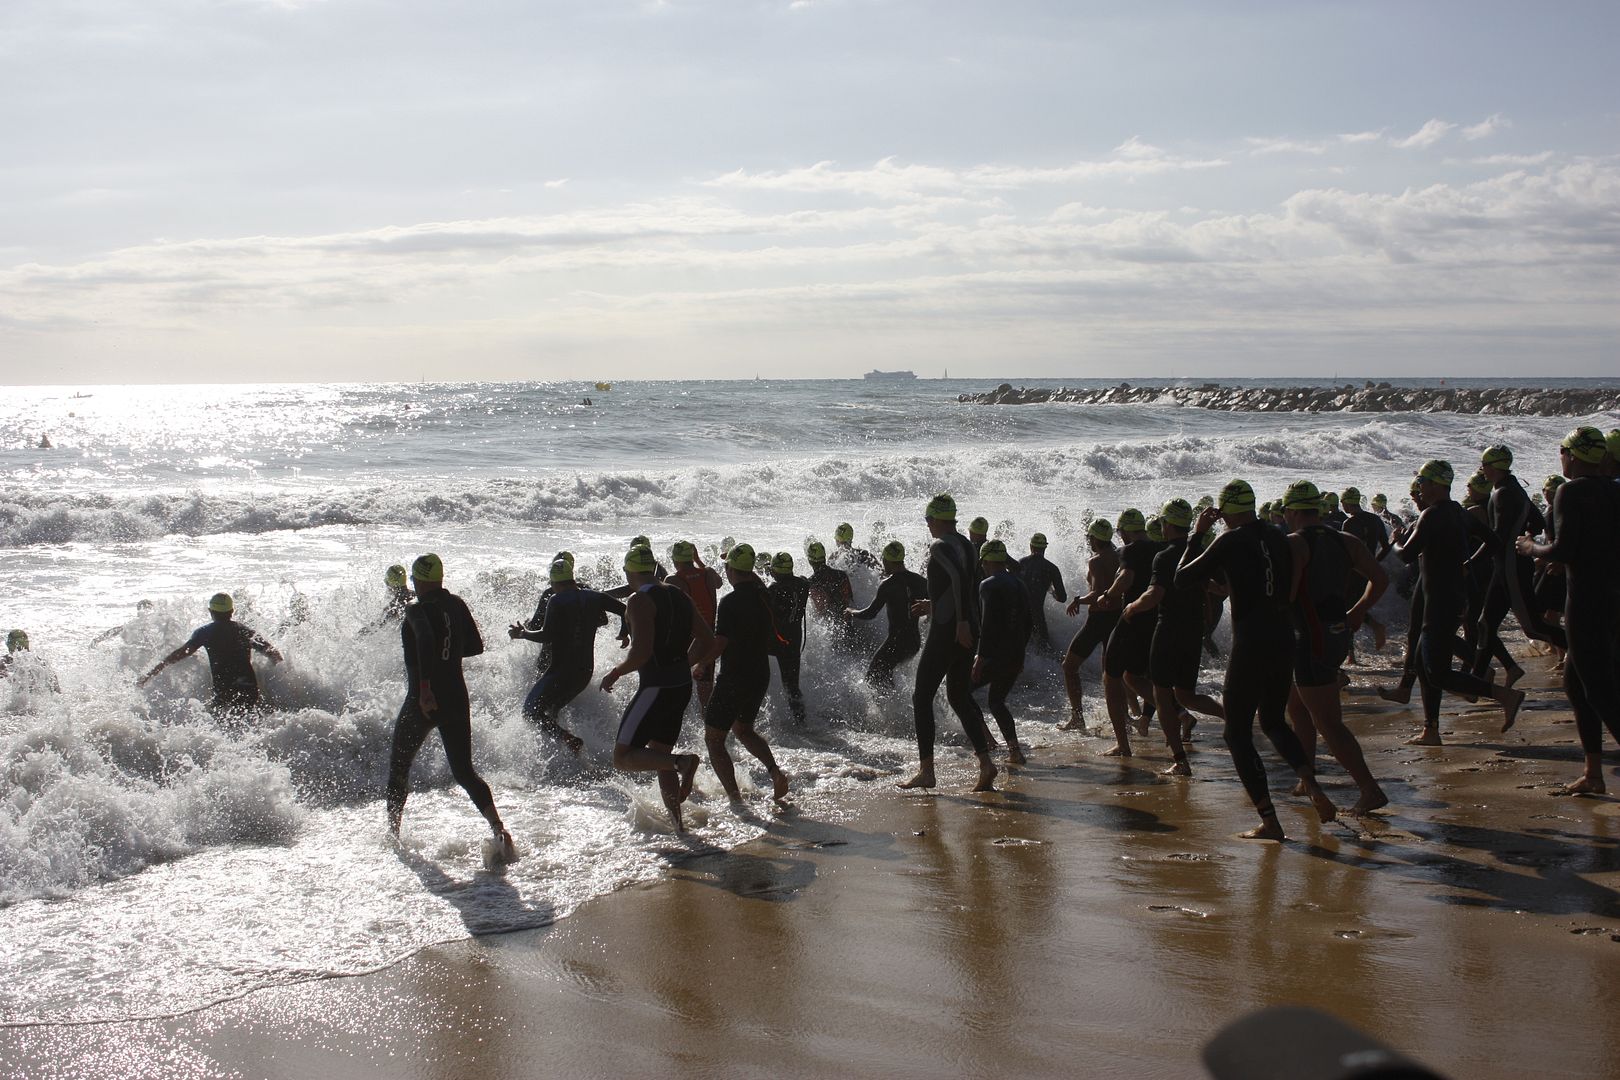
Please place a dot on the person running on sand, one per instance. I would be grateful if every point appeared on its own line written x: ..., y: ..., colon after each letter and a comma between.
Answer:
x: 1004, y: 633
x: 1125, y: 658
x: 789, y: 595
x: 947, y: 653
x: 667, y: 639
x: 1510, y: 514
x: 701, y: 584
x: 744, y: 630
x: 1257, y: 562
x: 1101, y: 569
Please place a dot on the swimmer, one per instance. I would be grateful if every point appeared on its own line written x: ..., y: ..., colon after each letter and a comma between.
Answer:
x: 1004, y: 631
x: 17, y: 643
x: 845, y: 554
x: 1101, y: 569
x: 896, y: 593
x: 789, y: 595
x: 667, y: 640
x: 569, y: 620
x: 701, y: 584
x: 948, y: 649
x: 1125, y: 657
x: 1369, y: 528
x: 744, y: 630
x: 438, y: 633
x: 1041, y: 578
x: 978, y: 532
x: 1510, y: 514
x: 830, y: 596
x: 230, y: 647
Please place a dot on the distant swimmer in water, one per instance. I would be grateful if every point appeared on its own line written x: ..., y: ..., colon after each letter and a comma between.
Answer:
x: 898, y: 591
x: 947, y: 654
x: 1004, y: 632
x: 744, y: 632
x: 45, y: 443
x: 568, y: 626
x: 830, y: 597
x: 230, y: 647
x: 397, y: 597
x: 438, y: 632
x: 1101, y: 569
x: 701, y: 584
x: 16, y: 644
x: 1041, y: 578
x: 667, y: 640
x: 845, y: 554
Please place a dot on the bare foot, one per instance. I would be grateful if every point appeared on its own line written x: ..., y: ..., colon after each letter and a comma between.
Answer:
x: 1325, y: 810
x: 688, y: 772
x: 1268, y: 829
x: 1118, y: 750
x: 1401, y: 695
x: 1426, y: 737
x: 1015, y: 754
x: 1510, y: 707
x: 923, y: 779
x: 1586, y: 785
x: 779, y: 785
x: 1376, y: 800
x: 987, y: 777
x: 1179, y: 768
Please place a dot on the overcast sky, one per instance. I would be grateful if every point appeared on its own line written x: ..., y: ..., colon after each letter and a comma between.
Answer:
x: 252, y: 190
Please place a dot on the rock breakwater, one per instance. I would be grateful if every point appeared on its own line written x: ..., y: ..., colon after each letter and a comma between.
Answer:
x: 1370, y: 397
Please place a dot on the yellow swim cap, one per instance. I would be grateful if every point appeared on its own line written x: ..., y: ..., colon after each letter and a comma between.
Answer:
x: 427, y: 568
x: 1380, y: 500
x: 1499, y: 457
x: 782, y: 563
x: 561, y: 570
x: 844, y: 534
x: 993, y: 551
x: 815, y: 553
x: 1177, y: 512
x: 1303, y: 496
x: 1100, y: 530
x: 683, y: 551
x: 221, y: 603
x: 1478, y: 484
x: 640, y: 541
x: 1131, y: 521
x: 1155, y: 529
x: 640, y: 560
x: 1437, y: 472
x: 1554, y: 482
x: 1350, y: 496
x: 740, y: 557
x: 1236, y: 497
x: 395, y: 577
x: 942, y: 508
x: 979, y: 525
x: 894, y: 551
x: 1586, y: 444
x: 17, y: 641
x: 567, y: 556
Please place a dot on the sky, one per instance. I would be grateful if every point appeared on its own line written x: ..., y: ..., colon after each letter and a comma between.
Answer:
x: 395, y: 190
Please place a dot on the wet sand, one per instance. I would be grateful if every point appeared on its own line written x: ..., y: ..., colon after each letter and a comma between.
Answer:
x: 1090, y: 919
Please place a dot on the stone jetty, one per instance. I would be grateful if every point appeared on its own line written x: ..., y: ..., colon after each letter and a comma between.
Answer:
x: 1369, y: 397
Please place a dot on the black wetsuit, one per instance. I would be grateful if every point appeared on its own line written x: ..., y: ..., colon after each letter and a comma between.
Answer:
x: 570, y: 620
x: 1041, y: 577
x: 789, y: 595
x: 1259, y: 569
x: 1586, y: 514
x: 953, y: 574
x: 745, y: 621
x: 1370, y: 530
x: 855, y: 556
x: 437, y: 634
x: 665, y: 681
x: 1510, y: 515
x: 1005, y: 625
x: 1178, y: 632
x: 830, y: 595
x: 895, y: 595
x: 230, y: 647
x: 1131, y: 643
x: 1321, y: 631
x: 1440, y: 542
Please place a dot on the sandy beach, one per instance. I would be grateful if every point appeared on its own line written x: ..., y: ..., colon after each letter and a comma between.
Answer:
x: 1090, y: 919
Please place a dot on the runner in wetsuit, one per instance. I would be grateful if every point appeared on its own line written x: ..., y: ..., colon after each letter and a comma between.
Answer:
x: 789, y: 595
x: 570, y: 619
x: 1130, y: 643
x: 1101, y: 569
x: 1256, y: 560
x: 1370, y: 530
x: 1332, y: 516
x: 1402, y: 694
x: 1005, y: 625
x: 230, y: 647
x: 399, y: 596
x: 899, y: 589
x: 947, y: 653
x: 437, y: 634
x: 1550, y: 592
x: 845, y: 554
x: 1040, y: 577
x: 1324, y: 621
x: 667, y: 640
x: 978, y: 532
x: 1586, y: 513
x: 1510, y: 515
x: 744, y: 631
x: 830, y: 596
x: 701, y: 585
x: 1439, y: 543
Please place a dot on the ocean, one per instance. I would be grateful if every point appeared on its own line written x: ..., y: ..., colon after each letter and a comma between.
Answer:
x: 154, y: 861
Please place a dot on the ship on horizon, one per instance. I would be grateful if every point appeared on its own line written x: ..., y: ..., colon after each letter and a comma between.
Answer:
x: 875, y: 374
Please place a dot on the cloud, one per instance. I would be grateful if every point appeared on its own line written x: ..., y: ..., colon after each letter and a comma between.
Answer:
x: 1262, y: 145
x: 1486, y: 127
x: 554, y: 184
x: 1425, y: 136
x: 1524, y: 160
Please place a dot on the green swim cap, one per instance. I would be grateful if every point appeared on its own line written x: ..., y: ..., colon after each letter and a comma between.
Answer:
x: 683, y: 551
x: 1204, y: 503
x: 1265, y: 510
x: 640, y: 541
x: 17, y: 641
x: 1586, y: 444
x: 993, y: 551
x: 1131, y: 521
x: 427, y: 568
x: 1478, y: 485
x: 568, y: 556
x: 1303, y: 496
x: 1155, y: 529
x: 561, y: 570
x: 1236, y: 497
x: 1177, y: 512
x: 640, y: 560
x: 942, y: 508
x: 979, y: 525
x: 1554, y: 482
x: 1101, y: 530
x: 221, y: 603
x: 395, y: 577
x: 1497, y: 456
x: 1437, y: 472
x: 1038, y: 540
x: 1350, y: 496
x: 815, y: 553
x: 1380, y: 501
x: 844, y: 534
x: 741, y: 557
x: 782, y: 563
x: 894, y: 551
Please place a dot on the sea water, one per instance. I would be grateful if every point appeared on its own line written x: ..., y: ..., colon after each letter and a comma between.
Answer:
x: 153, y: 859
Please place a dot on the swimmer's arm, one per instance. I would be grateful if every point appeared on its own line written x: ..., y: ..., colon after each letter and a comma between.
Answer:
x: 1059, y: 593
x: 1377, y: 580
x: 702, y: 649
x: 179, y: 654
x: 879, y: 598
x: 1416, y: 539
x: 257, y: 642
x: 1148, y: 601
x: 960, y: 590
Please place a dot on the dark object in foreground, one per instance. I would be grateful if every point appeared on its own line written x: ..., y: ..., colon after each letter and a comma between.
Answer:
x: 1295, y: 1043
